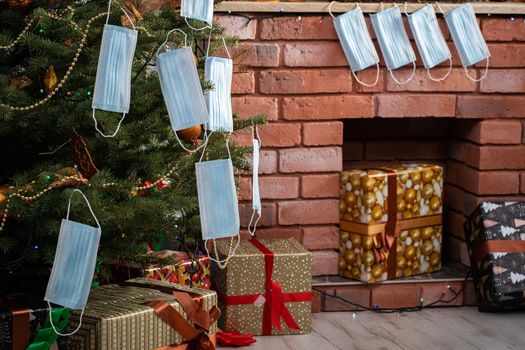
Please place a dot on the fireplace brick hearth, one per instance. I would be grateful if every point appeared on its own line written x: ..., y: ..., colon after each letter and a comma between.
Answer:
x: 293, y: 69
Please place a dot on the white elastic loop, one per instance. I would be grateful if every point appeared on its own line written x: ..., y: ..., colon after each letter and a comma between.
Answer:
x: 228, y: 145
x: 196, y: 29
x: 226, y: 48
x: 222, y: 263
x: 64, y: 334
x: 206, y: 138
x: 382, y: 6
x: 406, y: 13
x: 252, y: 232
x: 482, y: 77
x: 365, y: 84
x: 87, y: 202
x: 167, y: 37
x: 409, y: 78
x: 440, y: 8
x: 125, y: 13
x: 223, y: 42
x: 330, y: 9
x: 116, y: 131
x: 443, y: 77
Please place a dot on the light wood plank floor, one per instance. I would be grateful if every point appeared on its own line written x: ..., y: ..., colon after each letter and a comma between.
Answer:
x: 437, y: 328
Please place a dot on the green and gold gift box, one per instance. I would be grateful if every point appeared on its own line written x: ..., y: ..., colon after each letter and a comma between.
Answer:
x: 391, y: 221
x: 266, y: 287
x: 136, y: 315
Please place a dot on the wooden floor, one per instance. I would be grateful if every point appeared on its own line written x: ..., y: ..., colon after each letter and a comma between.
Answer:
x: 437, y: 328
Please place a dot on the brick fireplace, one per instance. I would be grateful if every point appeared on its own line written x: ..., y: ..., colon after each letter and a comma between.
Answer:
x: 294, y: 70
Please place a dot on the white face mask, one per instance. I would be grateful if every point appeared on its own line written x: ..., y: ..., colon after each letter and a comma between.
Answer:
x: 256, y: 196
x: 220, y: 72
x: 467, y: 37
x: 429, y: 40
x: 74, y: 264
x: 356, y: 42
x: 393, y: 40
x: 197, y: 9
x: 181, y: 88
x: 113, y: 82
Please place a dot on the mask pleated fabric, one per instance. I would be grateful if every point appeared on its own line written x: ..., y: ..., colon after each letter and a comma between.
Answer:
x: 467, y: 37
x: 429, y: 40
x: 181, y: 88
x: 256, y: 196
x: 393, y: 41
x: 74, y: 264
x: 112, y: 91
x: 356, y: 42
x: 219, y: 71
x: 197, y: 9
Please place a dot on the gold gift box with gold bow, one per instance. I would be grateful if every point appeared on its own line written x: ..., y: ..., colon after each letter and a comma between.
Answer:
x: 390, y: 221
x: 136, y: 315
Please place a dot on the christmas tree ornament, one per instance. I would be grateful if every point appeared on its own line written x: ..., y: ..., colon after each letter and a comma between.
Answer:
x: 19, y: 4
x: 74, y: 264
x: 50, y: 79
x: 393, y: 41
x: 219, y: 71
x: 356, y: 42
x: 84, y: 160
x: 197, y: 9
x: 113, y: 81
x: 429, y: 40
x: 190, y: 134
x: 20, y: 81
x: 467, y: 37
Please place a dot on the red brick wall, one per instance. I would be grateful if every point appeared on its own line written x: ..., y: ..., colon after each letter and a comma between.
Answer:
x: 294, y: 70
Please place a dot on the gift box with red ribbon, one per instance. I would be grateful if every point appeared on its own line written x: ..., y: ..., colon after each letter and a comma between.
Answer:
x: 266, y: 287
x: 149, y: 315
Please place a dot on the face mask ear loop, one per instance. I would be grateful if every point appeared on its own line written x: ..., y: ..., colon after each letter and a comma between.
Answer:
x: 484, y: 74
x: 125, y: 13
x: 224, y: 262
x: 64, y: 334
x: 209, y: 26
x: 206, y: 137
x: 109, y: 12
x: 87, y: 202
x: 440, y: 8
x: 409, y: 78
x: 382, y: 6
x: 116, y: 131
x: 366, y: 84
x: 167, y: 37
x: 330, y: 9
x: 443, y: 77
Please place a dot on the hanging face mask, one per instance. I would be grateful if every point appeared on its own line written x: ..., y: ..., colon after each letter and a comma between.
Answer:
x: 429, y: 40
x: 356, y: 42
x: 220, y: 72
x: 256, y: 196
x: 467, y: 37
x: 197, y: 9
x: 393, y: 40
x: 113, y: 82
x: 74, y: 264
x: 181, y: 87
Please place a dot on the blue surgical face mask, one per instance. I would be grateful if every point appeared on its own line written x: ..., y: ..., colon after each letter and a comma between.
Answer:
x: 467, y: 37
x: 256, y: 196
x: 197, y: 9
x: 181, y: 88
x: 356, y: 42
x: 113, y: 82
x: 75, y: 260
x: 429, y: 40
x: 219, y: 71
x: 393, y: 40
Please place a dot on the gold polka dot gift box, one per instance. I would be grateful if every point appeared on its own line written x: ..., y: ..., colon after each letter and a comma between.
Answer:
x: 145, y: 314
x: 390, y: 221
x: 266, y: 287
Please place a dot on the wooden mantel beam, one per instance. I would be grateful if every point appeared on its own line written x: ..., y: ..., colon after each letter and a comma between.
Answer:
x: 494, y: 8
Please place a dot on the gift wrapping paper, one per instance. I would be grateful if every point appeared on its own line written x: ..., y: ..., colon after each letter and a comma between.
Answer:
x: 495, y: 235
x: 115, y: 317
x: 245, y: 275
x: 188, y: 272
x: 391, y: 221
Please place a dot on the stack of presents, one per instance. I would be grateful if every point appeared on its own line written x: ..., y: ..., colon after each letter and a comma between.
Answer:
x: 391, y: 227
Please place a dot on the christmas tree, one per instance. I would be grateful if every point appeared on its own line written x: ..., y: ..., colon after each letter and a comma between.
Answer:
x: 140, y: 183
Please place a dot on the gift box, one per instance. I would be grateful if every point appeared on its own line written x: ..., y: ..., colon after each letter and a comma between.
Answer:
x: 266, y: 287
x: 146, y: 314
x: 495, y: 235
x: 189, y: 271
x: 23, y: 321
x: 391, y: 221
